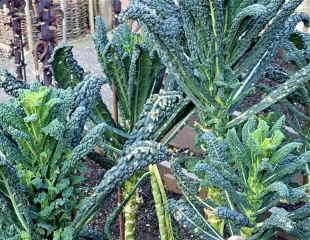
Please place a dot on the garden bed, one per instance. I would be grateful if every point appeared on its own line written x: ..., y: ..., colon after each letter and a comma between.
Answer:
x: 147, y: 222
x: 237, y: 170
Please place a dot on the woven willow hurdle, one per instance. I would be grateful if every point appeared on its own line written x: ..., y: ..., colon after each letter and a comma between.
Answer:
x: 77, y: 24
x: 77, y: 18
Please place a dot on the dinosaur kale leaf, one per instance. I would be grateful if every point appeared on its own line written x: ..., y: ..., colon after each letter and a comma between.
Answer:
x: 222, y: 49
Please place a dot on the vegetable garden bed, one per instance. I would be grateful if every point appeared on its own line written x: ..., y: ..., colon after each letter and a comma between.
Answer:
x: 210, y: 58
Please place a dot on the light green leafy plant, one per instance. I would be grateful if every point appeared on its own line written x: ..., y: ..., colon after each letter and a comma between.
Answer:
x: 220, y: 50
x: 249, y: 181
x: 41, y: 145
x: 62, y: 140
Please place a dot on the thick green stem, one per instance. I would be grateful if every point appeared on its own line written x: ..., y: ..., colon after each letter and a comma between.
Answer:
x: 308, y: 178
x: 131, y: 208
x: 218, y: 70
x: 111, y: 219
x: 160, y: 199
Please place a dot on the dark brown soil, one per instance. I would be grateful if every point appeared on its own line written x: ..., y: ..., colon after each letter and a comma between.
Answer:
x: 147, y: 225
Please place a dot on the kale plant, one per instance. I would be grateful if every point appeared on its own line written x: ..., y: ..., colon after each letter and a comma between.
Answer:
x: 138, y: 152
x: 295, y: 53
x: 133, y: 69
x: 219, y: 50
x: 248, y: 177
x: 41, y: 145
x: 135, y: 72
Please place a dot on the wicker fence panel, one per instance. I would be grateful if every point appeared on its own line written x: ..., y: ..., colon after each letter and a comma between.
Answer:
x: 77, y: 19
x: 77, y: 24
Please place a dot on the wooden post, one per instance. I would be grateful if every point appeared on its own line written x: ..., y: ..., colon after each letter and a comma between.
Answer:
x: 29, y: 26
x: 91, y: 16
x: 115, y: 115
x: 105, y: 10
x: 45, y: 23
x: 63, y: 4
x: 119, y: 190
x: 96, y: 10
x: 15, y: 13
x: 117, y: 8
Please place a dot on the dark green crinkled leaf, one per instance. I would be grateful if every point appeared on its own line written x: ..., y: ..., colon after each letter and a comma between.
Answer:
x: 187, y: 218
x: 10, y: 84
x: 279, y: 219
x: 14, y: 192
x: 67, y: 72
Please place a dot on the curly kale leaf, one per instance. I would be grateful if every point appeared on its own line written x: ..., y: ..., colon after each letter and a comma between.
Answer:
x: 11, y: 115
x: 55, y: 129
x: 280, y: 188
x: 301, y: 213
x: 10, y: 148
x: 85, y: 146
x: 161, y: 112
x: 279, y: 219
x: 100, y: 36
x: 290, y: 168
x: 212, y: 146
x: 189, y: 187
x: 212, y: 178
x: 87, y: 92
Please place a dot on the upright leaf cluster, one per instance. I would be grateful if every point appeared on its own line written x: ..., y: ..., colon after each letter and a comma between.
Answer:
x: 42, y: 143
x: 246, y: 175
x: 222, y: 50
x: 135, y: 72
